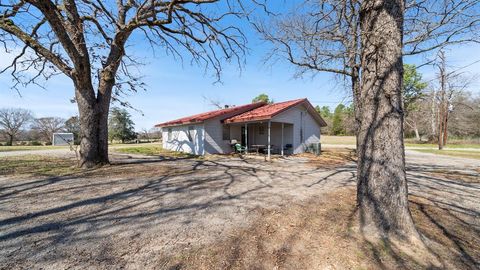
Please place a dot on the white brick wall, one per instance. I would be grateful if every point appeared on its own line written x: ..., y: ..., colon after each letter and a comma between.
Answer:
x: 180, y: 141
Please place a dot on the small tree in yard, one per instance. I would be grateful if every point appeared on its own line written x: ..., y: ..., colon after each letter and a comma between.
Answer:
x: 46, y: 126
x: 413, y: 88
x: 87, y: 42
x: 338, y: 127
x: 120, y: 126
x: 12, y: 120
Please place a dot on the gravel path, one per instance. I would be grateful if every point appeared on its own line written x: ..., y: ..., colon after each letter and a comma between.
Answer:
x: 161, y: 207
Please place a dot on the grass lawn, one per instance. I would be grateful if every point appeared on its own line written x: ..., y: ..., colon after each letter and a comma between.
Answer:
x: 28, y: 148
x: 347, y: 140
x: 351, y: 140
x: 35, y: 165
x: 150, y: 150
x: 454, y: 153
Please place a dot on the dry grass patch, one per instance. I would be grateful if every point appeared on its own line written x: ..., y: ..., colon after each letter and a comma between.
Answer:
x: 453, y: 236
x: 331, y: 158
x: 321, y: 234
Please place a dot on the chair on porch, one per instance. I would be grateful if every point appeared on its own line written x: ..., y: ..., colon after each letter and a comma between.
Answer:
x: 239, y: 148
x: 287, y: 149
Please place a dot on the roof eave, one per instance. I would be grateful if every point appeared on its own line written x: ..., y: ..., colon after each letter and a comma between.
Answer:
x: 177, y: 124
x: 251, y: 120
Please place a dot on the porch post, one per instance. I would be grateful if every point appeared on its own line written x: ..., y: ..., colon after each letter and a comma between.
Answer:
x: 268, y: 146
x: 246, y: 138
x: 282, y: 140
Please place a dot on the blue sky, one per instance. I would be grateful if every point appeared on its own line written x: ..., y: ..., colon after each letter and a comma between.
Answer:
x: 176, y: 89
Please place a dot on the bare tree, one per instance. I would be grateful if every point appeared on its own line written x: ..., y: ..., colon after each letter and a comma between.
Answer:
x: 46, y: 126
x: 324, y: 36
x: 87, y: 42
x: 12, y: 120
x: 465, y: 115
x: 363, y: 42
x: 450, y: 84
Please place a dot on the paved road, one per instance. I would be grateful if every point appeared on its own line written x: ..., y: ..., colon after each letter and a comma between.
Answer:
x: 351, y: 146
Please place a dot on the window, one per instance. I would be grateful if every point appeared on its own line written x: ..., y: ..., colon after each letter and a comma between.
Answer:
x: 261, y: 130
x: 169, y: 138
x: 226, y: 133
x: 191, y: 133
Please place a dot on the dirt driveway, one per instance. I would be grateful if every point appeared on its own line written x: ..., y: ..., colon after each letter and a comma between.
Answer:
x: 157, y: 207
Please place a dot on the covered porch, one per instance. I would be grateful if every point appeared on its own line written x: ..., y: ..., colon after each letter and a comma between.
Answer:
x: 262, y: 137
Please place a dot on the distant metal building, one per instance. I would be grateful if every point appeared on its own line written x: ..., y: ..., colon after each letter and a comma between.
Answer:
x: 62, y: 138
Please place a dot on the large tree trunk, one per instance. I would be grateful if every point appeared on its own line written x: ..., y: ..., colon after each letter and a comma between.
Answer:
x: 10, y: 140
x: 93, y: 114
x: 382, y: 185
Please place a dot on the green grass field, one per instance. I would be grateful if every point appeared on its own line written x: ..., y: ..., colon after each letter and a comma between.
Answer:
x: 37, y: 165
x: 28, y: 148
x: 351, y: 140
x: 344, y: 140
x: 453, y: 153
x: 149, y: 150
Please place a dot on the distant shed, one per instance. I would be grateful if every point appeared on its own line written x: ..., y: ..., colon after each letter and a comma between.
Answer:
x: 62, y: 138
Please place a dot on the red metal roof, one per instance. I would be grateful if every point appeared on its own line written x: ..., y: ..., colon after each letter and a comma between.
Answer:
x: 265, y: 112
x: 212, y: 114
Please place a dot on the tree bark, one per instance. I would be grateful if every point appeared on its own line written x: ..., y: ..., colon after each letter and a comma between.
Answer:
x: 10, y: 140
x: 381, y: 178
x: 93, y: 115
x: 94, y: 108
x: 445, y: 127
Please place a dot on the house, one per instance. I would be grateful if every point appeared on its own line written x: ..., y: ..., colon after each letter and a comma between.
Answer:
x: 283, y: 128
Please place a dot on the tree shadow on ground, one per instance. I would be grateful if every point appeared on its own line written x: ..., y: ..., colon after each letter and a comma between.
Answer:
x: 141, y: 198
x: 133, y: 195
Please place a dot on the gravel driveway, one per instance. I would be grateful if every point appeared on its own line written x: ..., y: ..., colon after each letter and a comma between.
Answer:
x: 160, y: 207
